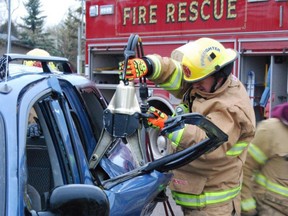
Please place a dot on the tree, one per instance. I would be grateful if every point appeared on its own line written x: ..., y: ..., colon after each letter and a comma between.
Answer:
x: 67, y: 36
x: 32, y: 28
x: 33, y: 21
x: 71, y: 29
x: 4, y: 29
x: 4, y: 34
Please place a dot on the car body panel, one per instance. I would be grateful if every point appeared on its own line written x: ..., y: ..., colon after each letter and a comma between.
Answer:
x: 133, y: 196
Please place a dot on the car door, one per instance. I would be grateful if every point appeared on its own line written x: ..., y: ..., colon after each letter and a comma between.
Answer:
x: 50, y: 150
x: 86, y: 106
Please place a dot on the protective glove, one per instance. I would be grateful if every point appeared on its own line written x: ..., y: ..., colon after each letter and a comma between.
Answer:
x: 33, y: 130
x: 136, y: 68
x: 158, y: 119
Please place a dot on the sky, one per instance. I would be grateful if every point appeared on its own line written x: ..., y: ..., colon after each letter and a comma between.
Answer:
x: 55, y: 10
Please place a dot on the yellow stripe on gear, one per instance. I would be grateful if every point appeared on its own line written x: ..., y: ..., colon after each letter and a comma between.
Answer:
x: 175, y: 137
x: 271, y: 186
x: 257, y: 154
x: 156, y: 67
x: 248, y: 204
x: 207, y: 198
x: 174, y: 82
x: 237, y: 149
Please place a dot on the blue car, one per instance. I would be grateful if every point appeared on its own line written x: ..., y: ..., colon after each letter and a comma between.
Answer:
x: 65, y: 151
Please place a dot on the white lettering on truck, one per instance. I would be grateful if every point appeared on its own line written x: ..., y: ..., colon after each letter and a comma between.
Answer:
x: 181, y: 12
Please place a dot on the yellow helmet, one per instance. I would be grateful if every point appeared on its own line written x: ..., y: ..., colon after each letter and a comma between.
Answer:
x: 38, y: 52
x: 35, y: 52
x: 202, y: 58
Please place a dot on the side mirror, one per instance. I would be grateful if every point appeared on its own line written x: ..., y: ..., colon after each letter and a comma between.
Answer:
x: 78, y: 199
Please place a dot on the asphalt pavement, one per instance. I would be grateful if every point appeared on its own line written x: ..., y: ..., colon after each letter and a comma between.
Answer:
x: 160, y: 210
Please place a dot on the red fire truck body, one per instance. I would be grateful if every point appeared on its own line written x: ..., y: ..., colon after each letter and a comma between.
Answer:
x: 257, y: 29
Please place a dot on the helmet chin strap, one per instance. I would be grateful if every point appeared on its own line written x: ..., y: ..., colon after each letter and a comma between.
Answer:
x: 221, y: 76
x: 217, y: 83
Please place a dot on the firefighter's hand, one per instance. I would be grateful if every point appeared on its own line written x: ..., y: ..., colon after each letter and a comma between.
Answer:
x: 157, y: 118
x: 136, y: 68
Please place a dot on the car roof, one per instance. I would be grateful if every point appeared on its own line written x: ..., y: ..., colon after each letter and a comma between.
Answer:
x: 15, y: 56
x: 13, y: 65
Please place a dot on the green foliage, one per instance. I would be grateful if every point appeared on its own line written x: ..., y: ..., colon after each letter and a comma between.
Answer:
x: 66, y: 36
x: 70, y: 30
x: 4, y: 29
x: 33, y: 21
x: 32, y: 33
x: 59, y: 40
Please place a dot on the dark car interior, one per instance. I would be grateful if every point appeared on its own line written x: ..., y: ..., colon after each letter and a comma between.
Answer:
x: 39, y: 168
x: 42, y: 155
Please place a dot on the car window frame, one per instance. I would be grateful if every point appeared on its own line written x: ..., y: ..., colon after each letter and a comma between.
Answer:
x: 2, y: 165
x: 26, y: 101
x: 81, y: 112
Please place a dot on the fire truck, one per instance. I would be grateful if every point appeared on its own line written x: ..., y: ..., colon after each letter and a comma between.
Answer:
x: 257, y: 29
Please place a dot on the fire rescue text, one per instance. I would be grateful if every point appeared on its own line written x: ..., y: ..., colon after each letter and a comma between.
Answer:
x: 181, y: 12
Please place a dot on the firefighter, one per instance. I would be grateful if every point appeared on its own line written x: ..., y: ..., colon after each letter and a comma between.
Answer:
x: 33, y: 130
x: 265, y: 185
x: 39, y: 52
x: 199, y: 72
x: 36, y: 52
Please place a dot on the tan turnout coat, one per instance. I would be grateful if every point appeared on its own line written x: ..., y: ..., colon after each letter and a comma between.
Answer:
x: 230, y: 109
x: 272, y: 140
